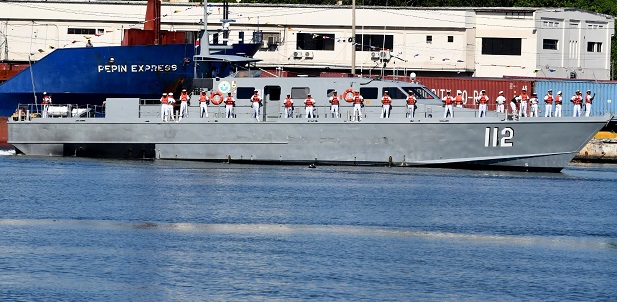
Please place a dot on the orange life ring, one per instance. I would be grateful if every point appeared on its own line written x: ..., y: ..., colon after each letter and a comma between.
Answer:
x: 349, y: 95
x: 218, y: 100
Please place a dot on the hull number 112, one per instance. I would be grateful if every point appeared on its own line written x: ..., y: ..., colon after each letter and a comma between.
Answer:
x: 495, y: 138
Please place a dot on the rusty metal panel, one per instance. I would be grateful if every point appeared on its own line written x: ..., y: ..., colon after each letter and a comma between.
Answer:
x: 471, y: 87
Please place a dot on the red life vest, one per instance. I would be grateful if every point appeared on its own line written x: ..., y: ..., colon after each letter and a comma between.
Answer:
x: 524, y: 97
x: 448, y: 100
x: 357, y: 99
x: 459, y: 99
x: 334, y: 100
x: 549, y: 99
x: 164, y: 100
x: 588, y: 99
x: 386, y: 100
x: 203, y: 98
x: 255, y: 98
x: 577, y: 100
x: 308, y: 102
x: 46, y: 100
x: 483, y: 99
x: 229, y: 100
x: 288, y: 103
x: 184, y: 97
x: 411, y: 100
x: 558, y: 100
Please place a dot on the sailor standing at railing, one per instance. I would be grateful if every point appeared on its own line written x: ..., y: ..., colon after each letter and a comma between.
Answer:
x: 447, y: 104
x: 230, y: 102
x: 588, y: 102
x: 358, y: 102
x: 204, y: 101
x: 513, y: 103
x: 576, y: 100
x: 523, y: 99
x: 256, y: 103
x: 46, y: 103
x: 548, y: 99
x: 558, y: 102
x: 164, y: 107
x: 501, y: 101
x: 482, y: 100
x: 172, y: 102
x: 411, y: 105
x: 289, y: 107
x: 184, y: 107
x: 309, y: 103
x: 386, y: 105
x: 334, y: 102
x: 458, y: 100
x: 534, y: 105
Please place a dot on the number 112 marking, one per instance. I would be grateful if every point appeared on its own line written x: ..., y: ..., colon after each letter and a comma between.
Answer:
x: 492, y: 139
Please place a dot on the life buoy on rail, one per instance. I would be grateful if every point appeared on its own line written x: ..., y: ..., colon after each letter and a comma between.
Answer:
x: 349, y: 94
x: 214, y: 100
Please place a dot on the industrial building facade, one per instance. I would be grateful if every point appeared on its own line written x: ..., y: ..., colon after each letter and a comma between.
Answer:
x: 480, y: 42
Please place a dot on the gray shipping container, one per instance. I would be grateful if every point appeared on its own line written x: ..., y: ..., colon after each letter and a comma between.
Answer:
x: 604, y: 102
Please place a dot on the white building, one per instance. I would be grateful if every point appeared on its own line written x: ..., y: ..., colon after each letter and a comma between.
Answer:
x: 483, y: 42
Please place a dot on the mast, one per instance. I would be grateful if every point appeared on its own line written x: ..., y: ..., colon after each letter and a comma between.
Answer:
x: 204, y: 44
x: 353, y: 37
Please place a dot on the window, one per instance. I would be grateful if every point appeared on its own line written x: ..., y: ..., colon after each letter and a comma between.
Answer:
x: 309, y: 41
x: 549, y: 44
x: 421, y: 93
x: 501, y: 46
x: 395, y: 93
x: 300, y: 92
x: 429, y: 39
x: 273, y: 93
x: 369, y: 92
x: 85, y: 31
x: 244, y: 92
x: 374, y: 42
x: 270, y: 41
x: 594, y: 46
x: 450, y: 39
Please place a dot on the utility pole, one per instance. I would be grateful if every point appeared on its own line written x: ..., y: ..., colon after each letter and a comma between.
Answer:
x: 353, y: 37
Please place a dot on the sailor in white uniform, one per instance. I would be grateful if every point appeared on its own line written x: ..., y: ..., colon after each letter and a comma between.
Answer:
x: 164, y: 108
x: 533, y: 111
x: 184, y: 107
x: 309, y: 103
x: 558, y: 103
x: 548, y: 100
x: 203, y: 103
x: 256, y: 103
x: 501, y: 101
x: 358, y: 101
x: 171, y: 103
x: 334, y: 101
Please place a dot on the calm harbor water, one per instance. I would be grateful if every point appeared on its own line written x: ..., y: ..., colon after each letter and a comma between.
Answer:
x: 83, y: 229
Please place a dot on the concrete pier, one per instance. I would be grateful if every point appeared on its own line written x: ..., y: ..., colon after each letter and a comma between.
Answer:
x: 602, y: 148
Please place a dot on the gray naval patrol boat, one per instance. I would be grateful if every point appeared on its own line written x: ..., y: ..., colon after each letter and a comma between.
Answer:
x: 132, y: 128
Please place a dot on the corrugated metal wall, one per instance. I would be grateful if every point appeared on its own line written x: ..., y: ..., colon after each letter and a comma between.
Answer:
x: 604, y: 91
x: 471, y: 87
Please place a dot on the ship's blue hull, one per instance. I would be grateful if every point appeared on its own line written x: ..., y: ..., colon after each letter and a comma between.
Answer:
x: 89, y: 75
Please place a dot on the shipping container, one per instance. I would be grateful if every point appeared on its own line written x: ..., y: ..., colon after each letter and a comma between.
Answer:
x: 605, y: 91
x: 471, y: 88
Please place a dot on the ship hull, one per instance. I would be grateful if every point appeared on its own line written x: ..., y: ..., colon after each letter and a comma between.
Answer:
x: 488, y: 143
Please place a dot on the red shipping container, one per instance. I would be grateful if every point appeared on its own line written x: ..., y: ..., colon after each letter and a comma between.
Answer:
x: 471, y: 87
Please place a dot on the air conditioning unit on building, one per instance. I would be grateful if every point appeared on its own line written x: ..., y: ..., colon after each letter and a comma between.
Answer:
x: 374, y: 55
x: 297, y: 55
x: 308, y: 55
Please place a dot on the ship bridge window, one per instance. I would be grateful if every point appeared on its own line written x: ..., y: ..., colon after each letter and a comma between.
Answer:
x: 300, y: 92
x: 272, y: 93
x: 374, y: 42
x: 310, y: 41
x: 85, y: 31
x: 244, y: 93
x: 369, y: 92
x: 395, y: 93
x: 421, y: 92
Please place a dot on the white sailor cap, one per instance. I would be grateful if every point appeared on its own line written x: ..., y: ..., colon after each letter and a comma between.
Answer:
x: 501, y: 92
x: 483, y: 91
x: 559, y: 92
x: 183, y: 89
x: 448, y: 91
x: 45, y: 92
x: 171, y: 93
x: 577, y: 91
x: 588, y: 90
x: 550, y: 90
x: 459, y: 92
x: 164, y: 93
